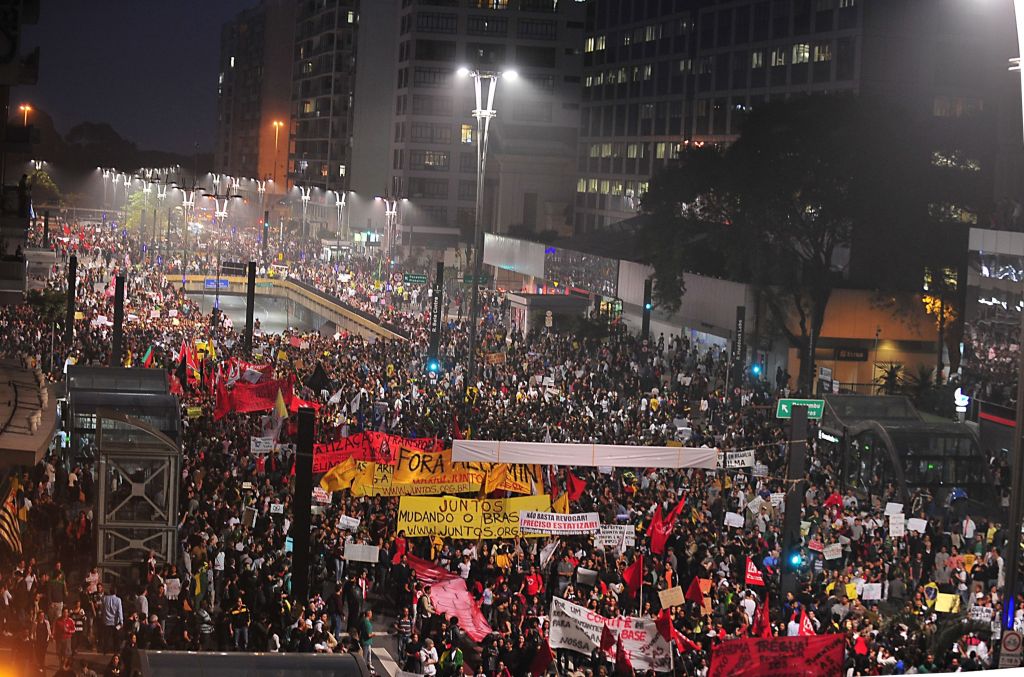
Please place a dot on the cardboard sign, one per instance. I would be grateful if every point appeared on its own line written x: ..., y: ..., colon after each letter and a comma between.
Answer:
x: 981, y: 614
x: 893, y: 508
x: 778, y: 498
x: 671, y: 597
x: 871, y: 591
x: 760, y: 470
x: 349, y: 523
x: 739, y: 459
x: 531, y: 522
x: 579, y: 629
x: 320, y: 496
x: 833, y: 551
x: 917, y: 524
x: 277, y: 508
x: 733, y: 520
x: 358, y: 552
x: 946, y: 603
x: 755, y: 505
x: 897, y: 525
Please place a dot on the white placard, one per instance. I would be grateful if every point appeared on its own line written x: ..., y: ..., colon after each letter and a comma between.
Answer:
x: 277, y: 508
x: 733, y: 520
x: 871, y: 591
x: 617, y: 536
x: 320, y: 496
x: 349, y: 523
x: 755, y: 505
x: 897, y: 525
x: 778, y: 498
x: 173, y: 312
x: 833, y: 551
x: 533, y: 522
x: 739, y: 459
x: 893, y: 508
x: 917, y: 524
x: 258, y: 446
x: 982, y: 614
x: 760, y: 470
x: 172, y: 588
x: 154, y: 314
x: 359, y: 552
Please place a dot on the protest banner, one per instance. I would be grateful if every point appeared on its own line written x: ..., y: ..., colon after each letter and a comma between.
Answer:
x: 194, y: 412
x: 451, y: 597
x: 358, y: 552
x: 172, y: 588
x: 739, y: 459
x: 531, y: 522
x: 616, y: 536
x: 348, y: 523
x: 320, y: 496
x: 451, y: 517
x: 579, y: 629
x: 755, y: 505
x: 897, y: 525
x: 810, y: 656
x: 981, y: 614
x: 368, y: 446
x: 778, y: 498
x: 671, y: 597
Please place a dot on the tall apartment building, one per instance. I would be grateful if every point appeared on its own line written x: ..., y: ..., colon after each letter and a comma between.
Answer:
x: 533, y: 138
x: 322, y: 90
x: 254, y: 87
x: 659, y: 75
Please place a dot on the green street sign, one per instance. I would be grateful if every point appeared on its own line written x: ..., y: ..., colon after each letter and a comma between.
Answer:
x: 485, y: 279
x: 412, y: 278
x: 815, y: 408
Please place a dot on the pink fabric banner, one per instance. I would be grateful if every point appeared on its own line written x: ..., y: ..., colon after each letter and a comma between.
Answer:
x: 450, y: 596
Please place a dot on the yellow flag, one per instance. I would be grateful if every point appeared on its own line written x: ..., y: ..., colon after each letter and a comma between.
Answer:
x: 561, y: 504
x: 495, y: 477
x: 280, y: 410
x: 340, y: 476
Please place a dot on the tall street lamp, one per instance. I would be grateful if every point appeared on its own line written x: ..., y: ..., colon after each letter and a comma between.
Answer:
x: 1012, y: 560
x: 305, y: 192
x: 277, y: 135
x: 25, y: 110
x: 390, y: 218
x: 127, y: 190
x: 483, y: 116
x: 220, y: 214
x: 339, y: 205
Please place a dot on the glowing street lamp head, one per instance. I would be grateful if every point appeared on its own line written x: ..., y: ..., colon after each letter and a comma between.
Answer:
x: 511, y: 75
x: 462, y: 72
x: 278, y: 124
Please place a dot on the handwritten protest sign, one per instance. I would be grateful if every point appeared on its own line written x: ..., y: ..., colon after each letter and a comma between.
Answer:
x: 531, y: 522
x: 671, y: 597
x: 451, y: 517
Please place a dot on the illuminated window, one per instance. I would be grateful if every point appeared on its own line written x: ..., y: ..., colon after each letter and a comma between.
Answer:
x: 843, y: 4
x: 648, y: 71
x: 652, y: 33
x: 341, y: 170
x: 595, y: 150
x: 581, y: 185
x: 633, y: 150
x: 351, y: 17
x: 307, y: 106
x: 757, y: 59
x: 616, y: 188
x: 955, y: 160
x: 778, y: 57
x: 591, y: 185
x: 605, y: 186
x: 627, y: 38
x: 232, y: 62
x: 659, y: 151
x: 466, y: 134
x: 606, y: 150
x: 599, y: 44
x: 685, y: 65
x: 822, y: 52
x: 588, y: 46
x: 801, y: 53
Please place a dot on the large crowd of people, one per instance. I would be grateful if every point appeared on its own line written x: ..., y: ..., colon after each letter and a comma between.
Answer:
x: 887, y: 592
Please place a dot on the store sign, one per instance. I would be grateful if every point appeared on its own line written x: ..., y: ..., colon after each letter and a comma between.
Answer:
x: 851, y: 354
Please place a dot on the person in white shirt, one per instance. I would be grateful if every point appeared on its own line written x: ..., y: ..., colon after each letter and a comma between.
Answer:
x: 968, y: 528
x: 428, y: 657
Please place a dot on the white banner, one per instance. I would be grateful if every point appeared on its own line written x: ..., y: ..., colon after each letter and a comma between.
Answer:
x: 357, y: 552
x: 531, y: 522
x: 733, y: 519
x: 739, y: 459
x: 833, y: 551
x: 578, y: 629
x: 588, y: 455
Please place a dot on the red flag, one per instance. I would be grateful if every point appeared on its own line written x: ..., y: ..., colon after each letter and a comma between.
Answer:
x: 553, y: 481
x: 223, y: 402
x: 633, y: 576
x: 664, y: 624
x: 607, y: 639
x: 661, y: 528
x: 763, y: 620
x: 574, y: 485
x: 456, y: 430
x: 622, y: 664
x: 806, y: 627
x: 754, y: 577
x: 694, y: 593
x: 542, y: 659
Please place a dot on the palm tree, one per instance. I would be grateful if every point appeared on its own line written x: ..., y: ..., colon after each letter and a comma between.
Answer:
x: 891, y: 378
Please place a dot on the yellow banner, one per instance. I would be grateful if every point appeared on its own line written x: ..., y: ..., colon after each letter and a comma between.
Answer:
x: 419, y: 473
x: 451, y: 517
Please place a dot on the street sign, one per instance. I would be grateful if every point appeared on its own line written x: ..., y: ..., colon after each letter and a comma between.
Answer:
x: 211, y: 283
x: 815, y: 408
x: 414, y: 278
x: 485, y: 279
x: 1012, y: 649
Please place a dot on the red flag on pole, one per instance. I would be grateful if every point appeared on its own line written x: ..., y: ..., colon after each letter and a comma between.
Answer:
x: 694, y: 593
x: 661, y: 528
x: 754, y: 577
x: 574, y: 486
x: 223, y: 402
x: 763, y: 620
x: 622, y: 664
x: 607, y: 639
x: 633, y: 576
x: 542, y: 659
x: 806, y: 627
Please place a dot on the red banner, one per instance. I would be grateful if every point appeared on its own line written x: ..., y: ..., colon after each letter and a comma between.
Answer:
x: 818, y: 656
x: 246, y: 397
x: 369, y: 446
x: 450, y: 596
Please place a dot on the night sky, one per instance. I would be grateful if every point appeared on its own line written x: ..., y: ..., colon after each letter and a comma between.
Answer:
x: 146, y: 67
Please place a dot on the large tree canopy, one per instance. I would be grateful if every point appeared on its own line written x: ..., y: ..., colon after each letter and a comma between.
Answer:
x: 780, y: 207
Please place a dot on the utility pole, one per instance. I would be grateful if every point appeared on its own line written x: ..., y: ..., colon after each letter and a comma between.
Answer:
x: 792, y: 560
x: 1011, y: 556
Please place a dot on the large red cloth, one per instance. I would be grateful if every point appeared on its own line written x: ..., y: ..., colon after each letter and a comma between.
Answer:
x: 661, y: 528
x: 368, y: 446
x: 247, y: 397
x: 818, y: 656
x: 633, y: 576
x: 450, y: 596
x: 575, y: 486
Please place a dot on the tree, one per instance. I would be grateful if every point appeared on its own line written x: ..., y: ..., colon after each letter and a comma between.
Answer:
x: 44, y: 189
x: 779, y: 207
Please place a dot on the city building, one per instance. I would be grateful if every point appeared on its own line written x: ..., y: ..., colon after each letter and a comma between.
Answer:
x: 254, y: 87
x: 659, y: 76
x: 322, y: 91
x: 532, y: 139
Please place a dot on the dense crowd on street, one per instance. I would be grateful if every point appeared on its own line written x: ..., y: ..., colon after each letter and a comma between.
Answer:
x: 229, y: 587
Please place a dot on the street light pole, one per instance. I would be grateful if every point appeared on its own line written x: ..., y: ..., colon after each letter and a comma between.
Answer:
x: 483, y: 116
x: 277, y: 133
x: 305, y: 192
x: 1012, y: 559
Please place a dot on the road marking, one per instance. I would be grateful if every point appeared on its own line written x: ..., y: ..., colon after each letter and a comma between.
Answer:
x: 386, y: 662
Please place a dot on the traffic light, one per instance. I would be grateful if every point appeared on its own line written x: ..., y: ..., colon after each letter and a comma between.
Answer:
x: 645, y: 320
x: 795, y: 560
x: 755, y: 369
x: 433, y: 365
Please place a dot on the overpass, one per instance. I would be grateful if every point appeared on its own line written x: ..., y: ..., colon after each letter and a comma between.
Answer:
x: 343, y: 315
